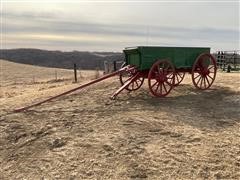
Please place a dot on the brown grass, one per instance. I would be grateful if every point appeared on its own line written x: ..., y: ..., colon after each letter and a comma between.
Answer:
x: 22, y: 84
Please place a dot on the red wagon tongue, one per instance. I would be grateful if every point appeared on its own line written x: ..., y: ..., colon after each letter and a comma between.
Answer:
x: 75, y: 89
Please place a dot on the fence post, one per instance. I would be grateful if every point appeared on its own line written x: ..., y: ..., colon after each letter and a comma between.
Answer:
x: 33, y: 79
x: 114, y: 65
x: 56, y: 75
x: 75, y: 72
x: 106, y: 67
x: 97, y: 74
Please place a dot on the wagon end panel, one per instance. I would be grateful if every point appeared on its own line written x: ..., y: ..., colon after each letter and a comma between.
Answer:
x: 132, y: 57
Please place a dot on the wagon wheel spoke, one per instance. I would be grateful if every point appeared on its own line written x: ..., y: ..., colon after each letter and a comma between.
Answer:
x: 177, y: 77
x: 132, y: 85
x: 207, y: 81
x: 212, y: 66
x: 164, y: 87
x: 182, y: 75
x: 211, y: 69
x: 158, y: 68
x: 139, y: 80
x: 204, y: 82
x: 197, y: 76
x: 154, y: 84
x: 136, y: 82
x: 210, y: 76
x: 169, y: 86
x: 166, y: 68
x: 198, y: 70
x: 199, y: 80
x: 157, y: 87
x: 170, y: 77
x: 166, y: 65
x: 169, y: 83
x: 160, y: 88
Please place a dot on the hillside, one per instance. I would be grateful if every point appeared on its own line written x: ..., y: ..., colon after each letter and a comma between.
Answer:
x: 21, y: 83
x: 190, y: 134
x: 59, y: 59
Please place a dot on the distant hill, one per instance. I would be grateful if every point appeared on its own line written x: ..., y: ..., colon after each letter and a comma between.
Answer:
x: 59, y: 59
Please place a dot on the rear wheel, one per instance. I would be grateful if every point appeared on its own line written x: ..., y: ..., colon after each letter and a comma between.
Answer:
x: 204, y: 71
x: 127, y: 75
x: 161, y: 78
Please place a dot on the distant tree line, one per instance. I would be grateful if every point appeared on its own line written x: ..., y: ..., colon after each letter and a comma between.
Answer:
x: 59, y: 59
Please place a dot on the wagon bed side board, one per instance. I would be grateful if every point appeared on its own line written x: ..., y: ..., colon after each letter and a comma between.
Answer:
x: 143, y: 57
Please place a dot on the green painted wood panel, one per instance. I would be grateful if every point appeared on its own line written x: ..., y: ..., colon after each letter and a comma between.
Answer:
x: 144, y: 56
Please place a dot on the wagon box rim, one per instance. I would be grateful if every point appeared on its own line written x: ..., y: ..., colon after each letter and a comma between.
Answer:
x: 137, y: 47
x: 143, y: 57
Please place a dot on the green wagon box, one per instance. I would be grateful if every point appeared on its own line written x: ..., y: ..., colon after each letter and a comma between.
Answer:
x: 143, y: 57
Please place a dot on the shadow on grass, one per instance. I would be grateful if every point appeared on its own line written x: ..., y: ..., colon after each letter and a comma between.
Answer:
x: 218, y: 107
x: 212, y: 109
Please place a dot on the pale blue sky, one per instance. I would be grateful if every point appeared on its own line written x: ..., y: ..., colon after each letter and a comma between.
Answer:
x: 111, y: 26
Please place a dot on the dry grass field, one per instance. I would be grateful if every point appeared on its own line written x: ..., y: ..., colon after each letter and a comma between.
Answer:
x: 21, y: 84
x: 190, y: 134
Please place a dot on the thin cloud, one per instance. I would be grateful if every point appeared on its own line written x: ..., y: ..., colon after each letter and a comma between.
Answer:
x: 54, y: 29
x: 62, y: 27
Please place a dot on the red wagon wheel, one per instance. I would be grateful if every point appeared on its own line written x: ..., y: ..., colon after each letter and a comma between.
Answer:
x: 178, y: 78
x: 125, y: 76
x: 204, y: 71
x: 161, y: 78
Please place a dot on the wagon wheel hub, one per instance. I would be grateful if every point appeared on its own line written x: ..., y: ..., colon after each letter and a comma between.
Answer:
x: 162, y: 78
x: 205, y: 72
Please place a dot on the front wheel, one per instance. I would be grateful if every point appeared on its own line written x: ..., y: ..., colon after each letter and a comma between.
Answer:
x: 127, y: 75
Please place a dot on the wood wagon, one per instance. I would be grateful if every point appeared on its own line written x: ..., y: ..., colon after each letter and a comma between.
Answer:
x: 164, y: 67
